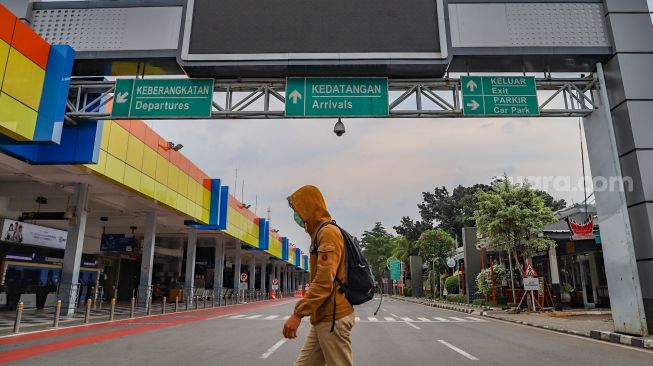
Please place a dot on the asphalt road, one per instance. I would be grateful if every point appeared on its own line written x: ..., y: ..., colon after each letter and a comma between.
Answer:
x: 401, y: 334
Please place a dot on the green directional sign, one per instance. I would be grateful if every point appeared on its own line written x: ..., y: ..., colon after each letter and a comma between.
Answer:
x: 499, y: 96
x: 394, y: 265
x: 163, y: 98
x: 336, y: 97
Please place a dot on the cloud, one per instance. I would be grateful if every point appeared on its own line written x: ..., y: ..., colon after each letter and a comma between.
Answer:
x: 378, y: 169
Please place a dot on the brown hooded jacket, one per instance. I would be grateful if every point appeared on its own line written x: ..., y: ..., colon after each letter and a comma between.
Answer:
x: 318, y: 301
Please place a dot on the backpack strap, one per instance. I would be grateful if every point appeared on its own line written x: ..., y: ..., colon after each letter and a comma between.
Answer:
x: 337, y: 280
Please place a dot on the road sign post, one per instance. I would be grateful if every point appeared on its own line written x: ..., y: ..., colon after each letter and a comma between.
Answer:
x: 499, y: 96
x: 163, y: 98
x: 337, y: 97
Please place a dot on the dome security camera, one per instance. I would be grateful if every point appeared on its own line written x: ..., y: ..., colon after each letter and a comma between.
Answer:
x: 339, y: 128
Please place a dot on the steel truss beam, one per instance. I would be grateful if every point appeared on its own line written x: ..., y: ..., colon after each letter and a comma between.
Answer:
x: 265, y: 98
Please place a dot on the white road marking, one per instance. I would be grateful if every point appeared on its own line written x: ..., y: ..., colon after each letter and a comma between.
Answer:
x: 406, y: 319
x: 476, y: 319
x: 413, y: 325
x: 253, y: 317
x: 424, y: 319
x: 387, y: 318
x: 372, y: 319
x: 237, y: 316
x: 271, y: 350
x: 357, y: 319
x: 394, y: 315
x: 457, y: 319
x: 458, y: 350
x: 442, y: 319
x: 271, y: 317
x: 286, y: 317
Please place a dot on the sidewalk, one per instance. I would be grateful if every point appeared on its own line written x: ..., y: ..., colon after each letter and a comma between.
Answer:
x: 42, y: 319
x: 593, y: 324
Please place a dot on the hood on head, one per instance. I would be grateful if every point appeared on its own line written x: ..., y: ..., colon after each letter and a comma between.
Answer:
x: 309, y: 203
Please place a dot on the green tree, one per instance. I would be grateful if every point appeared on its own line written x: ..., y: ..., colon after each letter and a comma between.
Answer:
x: 377, y: 247
x: 510, y: 217
x: 451, y: 212
x: 435, y: 245
x: 411, y: 229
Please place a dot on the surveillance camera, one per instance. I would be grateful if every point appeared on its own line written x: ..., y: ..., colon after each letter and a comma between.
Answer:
x: 339, y: 128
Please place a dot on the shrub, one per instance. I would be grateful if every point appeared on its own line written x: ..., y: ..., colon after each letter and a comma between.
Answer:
x: 407, y: 291
x: 484, y: 279
x: 456, y: 298
x: 451, y: 284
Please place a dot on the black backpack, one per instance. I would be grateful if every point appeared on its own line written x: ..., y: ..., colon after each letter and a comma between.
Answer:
x: 358, y: 286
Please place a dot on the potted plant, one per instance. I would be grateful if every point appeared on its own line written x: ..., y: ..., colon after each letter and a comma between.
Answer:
x: 566, y: 291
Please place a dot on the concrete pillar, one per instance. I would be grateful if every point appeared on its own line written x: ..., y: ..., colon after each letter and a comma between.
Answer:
x: 69, y: 286
x: 272, y: 274
x: 147, y: 260
x: 252, y: 273
x: 237, y: 265
x: 191, y: 251
x: 619, y: 145
x: 555, y: 277
x: 218, y: 273
x: 263, y: 278
x: 282, y: 278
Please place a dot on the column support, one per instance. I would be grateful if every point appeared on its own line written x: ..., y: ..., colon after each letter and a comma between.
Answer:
x: 191, y: 252
x: 218, y: 273
x: 147, y: 259
x: 69, y: 287
x: 237, y: 265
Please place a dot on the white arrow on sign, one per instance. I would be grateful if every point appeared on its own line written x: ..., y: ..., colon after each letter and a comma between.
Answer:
x: 122, y: 97
x: 471, y: 85
x: 295, y: 95
x: 473, y: 104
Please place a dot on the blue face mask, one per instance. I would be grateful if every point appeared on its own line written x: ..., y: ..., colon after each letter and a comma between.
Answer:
x: 298, y: 220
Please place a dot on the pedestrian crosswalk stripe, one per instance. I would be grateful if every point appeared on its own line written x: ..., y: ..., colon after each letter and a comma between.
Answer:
x: 370, y: 319
x: 475, y: 319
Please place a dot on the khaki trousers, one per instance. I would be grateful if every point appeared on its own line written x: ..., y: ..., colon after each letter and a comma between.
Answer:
x: 325, y: 347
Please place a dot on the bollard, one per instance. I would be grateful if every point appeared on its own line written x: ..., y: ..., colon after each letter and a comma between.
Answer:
x: 149, y: 306
x: 212, y: 301
x: 131, y: 311
x: 113, y: 309
x: 176, y: 304
x: 57, y: 313
x: 187, y: 302
x: 204, y: 299
x: 19, y: 316
x: 87, y: 314
x: 163, y: 309
x: 197, y: 299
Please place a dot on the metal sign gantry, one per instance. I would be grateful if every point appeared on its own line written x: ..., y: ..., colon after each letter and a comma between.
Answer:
x: 265, y: 98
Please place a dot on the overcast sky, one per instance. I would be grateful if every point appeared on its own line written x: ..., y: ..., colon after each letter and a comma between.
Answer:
x: 378, y: 169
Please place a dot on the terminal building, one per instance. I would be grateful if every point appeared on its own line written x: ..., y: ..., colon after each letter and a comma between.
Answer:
x: 110, y: 209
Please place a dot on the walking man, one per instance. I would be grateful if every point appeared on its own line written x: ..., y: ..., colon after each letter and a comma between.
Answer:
x: 331, y: 314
